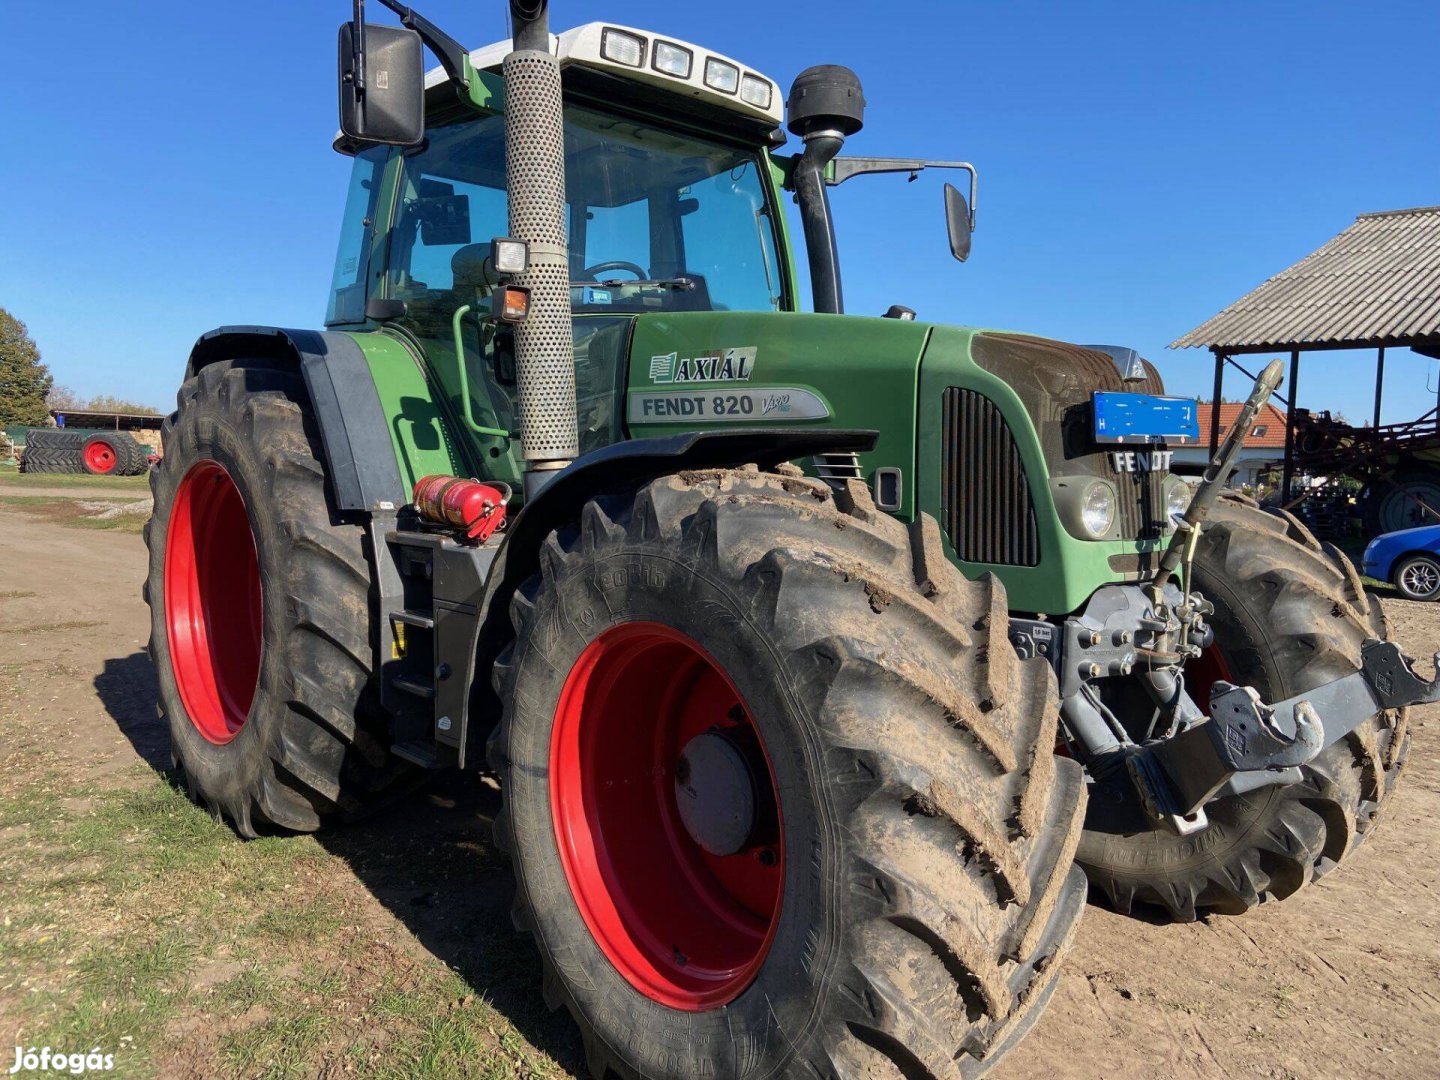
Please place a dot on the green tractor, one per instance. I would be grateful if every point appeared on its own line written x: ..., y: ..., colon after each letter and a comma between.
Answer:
x: 821, y: 658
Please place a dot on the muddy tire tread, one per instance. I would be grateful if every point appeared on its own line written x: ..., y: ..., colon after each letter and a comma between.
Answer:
x: 973, y: 938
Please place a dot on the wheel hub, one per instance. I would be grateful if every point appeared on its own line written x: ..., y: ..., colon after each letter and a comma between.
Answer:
x: 715, y: 793
x: 100, y: 457
x: 1421, y: 578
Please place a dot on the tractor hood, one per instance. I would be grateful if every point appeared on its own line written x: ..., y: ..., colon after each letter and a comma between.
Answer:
x: 778, y: 369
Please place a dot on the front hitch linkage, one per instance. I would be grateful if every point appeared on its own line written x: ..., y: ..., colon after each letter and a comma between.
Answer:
x: 1176, y: 777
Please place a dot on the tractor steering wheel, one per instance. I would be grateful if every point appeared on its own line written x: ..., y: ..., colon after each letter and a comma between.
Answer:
x: 591, y: 272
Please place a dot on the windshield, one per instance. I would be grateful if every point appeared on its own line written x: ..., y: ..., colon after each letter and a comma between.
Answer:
x: 657, y: 221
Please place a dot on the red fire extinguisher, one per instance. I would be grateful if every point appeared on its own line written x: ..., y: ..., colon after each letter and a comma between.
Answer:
x: 477, y: 508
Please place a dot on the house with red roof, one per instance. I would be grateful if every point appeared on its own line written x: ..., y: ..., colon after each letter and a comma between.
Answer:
x: 1262, y: 450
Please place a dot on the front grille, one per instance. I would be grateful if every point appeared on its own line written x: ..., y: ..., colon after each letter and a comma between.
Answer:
x: 1054, y: 382
x: 985, y: 498
x: 1140, y: 497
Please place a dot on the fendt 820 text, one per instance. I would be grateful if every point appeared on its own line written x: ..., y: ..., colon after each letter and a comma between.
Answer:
x: 821, y: 658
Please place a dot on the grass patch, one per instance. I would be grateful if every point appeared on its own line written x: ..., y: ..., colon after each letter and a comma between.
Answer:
x: 124, y: 515
x: 135, y: 922
x: 12, y: 477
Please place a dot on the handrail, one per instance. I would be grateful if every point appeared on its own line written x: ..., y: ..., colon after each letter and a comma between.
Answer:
x: 465, y: 410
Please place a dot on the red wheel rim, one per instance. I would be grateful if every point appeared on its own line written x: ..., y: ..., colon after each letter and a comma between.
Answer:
x: 1205, y: 671
x: 685, y: 927
x: 212, y: 602
x: 100, y: 457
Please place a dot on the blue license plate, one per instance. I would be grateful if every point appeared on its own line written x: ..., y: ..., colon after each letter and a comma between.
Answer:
x: 1144, y: 418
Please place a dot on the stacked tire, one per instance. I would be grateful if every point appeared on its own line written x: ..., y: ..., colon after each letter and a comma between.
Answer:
x: 102, y: 453
x: 52, y: 450
x: 113, y: 453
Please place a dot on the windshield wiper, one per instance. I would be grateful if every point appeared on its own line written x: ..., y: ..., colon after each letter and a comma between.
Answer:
x: 679, y: 284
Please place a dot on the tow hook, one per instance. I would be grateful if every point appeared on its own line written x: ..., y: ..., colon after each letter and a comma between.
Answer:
x: 1243, y: 735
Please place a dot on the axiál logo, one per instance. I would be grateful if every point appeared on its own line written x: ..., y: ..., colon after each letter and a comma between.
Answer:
x: 733, y: 365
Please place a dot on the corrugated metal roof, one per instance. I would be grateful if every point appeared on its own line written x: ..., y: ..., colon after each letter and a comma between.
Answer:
x: 1377, y: 282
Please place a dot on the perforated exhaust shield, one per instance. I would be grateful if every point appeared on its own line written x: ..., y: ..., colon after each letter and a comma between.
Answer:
x: 535, y: 160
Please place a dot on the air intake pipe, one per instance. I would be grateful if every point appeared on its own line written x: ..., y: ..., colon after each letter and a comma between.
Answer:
x: 535, y: 160
x: 826, y: 106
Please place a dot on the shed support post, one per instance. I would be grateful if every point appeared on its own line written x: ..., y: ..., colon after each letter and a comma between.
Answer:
x: 1288, y: 473
x: 1215, y: 403
x: 1379, y: 382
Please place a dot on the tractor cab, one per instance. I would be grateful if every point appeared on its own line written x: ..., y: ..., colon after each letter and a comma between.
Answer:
x: 671, y: 207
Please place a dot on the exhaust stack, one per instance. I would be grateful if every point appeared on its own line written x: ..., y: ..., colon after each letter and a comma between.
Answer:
x: 535, y: 161
x: 826, y: 106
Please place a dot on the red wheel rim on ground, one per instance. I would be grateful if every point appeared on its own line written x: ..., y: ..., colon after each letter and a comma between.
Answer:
x: 100, y: 457
x: 687, y: 927
x: 212, y: 602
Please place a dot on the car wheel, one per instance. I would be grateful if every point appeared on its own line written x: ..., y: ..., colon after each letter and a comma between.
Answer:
x: 1418, y: 577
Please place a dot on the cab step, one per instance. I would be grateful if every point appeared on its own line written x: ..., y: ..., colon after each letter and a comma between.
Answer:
x: 430, y: 593
x: 408, y: 684
x: 417, y: 753
x: 419, y: 619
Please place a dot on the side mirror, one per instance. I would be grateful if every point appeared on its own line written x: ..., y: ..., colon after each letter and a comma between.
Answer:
x: 957, y: 222
x: 382, y: 85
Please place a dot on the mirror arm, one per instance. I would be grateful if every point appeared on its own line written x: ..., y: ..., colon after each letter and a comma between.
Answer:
x: 450, y: 52
x: 846, y: 167
x: 357, y: 57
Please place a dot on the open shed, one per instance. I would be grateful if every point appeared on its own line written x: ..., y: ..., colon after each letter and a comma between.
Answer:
x: 146, y: 427
x: 1374, y: 286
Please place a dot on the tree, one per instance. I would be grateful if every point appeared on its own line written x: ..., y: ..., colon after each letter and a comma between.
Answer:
x: 24, y: 380
x: 62, y: 399
x: 110, y: 403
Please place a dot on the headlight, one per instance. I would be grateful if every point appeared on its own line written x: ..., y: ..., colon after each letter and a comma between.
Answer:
x: 672, y: 59
x: 1177, y: 500
x: 755, y: 91
x: 623, y: 48
x: 721, y: 76
x: 1097, y: 509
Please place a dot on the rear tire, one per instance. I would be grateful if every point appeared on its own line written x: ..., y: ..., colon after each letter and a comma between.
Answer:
x: 1410, y: 499
x: 261, y: 642
x: 1290, y: 615
x: 926, y: 830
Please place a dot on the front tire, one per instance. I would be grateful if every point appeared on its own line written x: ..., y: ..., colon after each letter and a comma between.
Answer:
x: 1290, y: 615
x: 1417, y: 577
x: 259, y: 609
x: 900, y: 901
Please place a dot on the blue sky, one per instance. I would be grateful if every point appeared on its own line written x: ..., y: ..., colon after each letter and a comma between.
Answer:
x: 167, y: 165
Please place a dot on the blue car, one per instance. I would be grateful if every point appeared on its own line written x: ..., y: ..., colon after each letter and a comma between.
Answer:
x: 1409, y: 559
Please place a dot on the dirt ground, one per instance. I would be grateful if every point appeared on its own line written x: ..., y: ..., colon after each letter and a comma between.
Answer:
x: 385, y: 948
